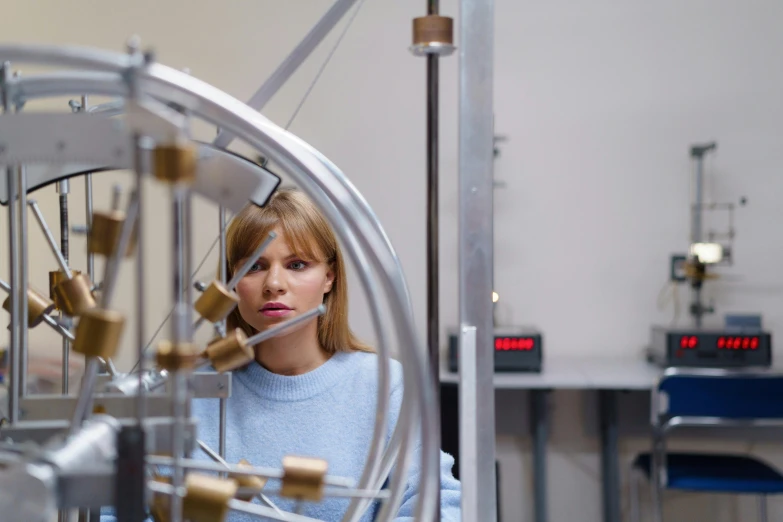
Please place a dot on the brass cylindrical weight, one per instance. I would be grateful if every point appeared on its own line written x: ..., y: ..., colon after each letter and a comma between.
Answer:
x: 303, y: 478
x: 207, y: 497
x: 106, y: 231
x: 216, y: 302
x: 75, y: 295
x: 98, y: 333
x: 433, y: 30
x: 37, y: 306
x: 55, y: 278
x: 175, y: 163
x: 230, y: 353
x: 160, y: 505
x: 174, y: 357
x: 248, y: 483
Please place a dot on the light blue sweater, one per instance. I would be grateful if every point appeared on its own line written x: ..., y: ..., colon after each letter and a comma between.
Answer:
x: 328, y: 413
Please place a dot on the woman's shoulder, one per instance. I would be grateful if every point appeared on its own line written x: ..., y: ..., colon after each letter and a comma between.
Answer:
x: 368, y: 363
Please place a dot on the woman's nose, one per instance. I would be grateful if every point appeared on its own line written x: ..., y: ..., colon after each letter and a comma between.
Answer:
x: 275, y: 281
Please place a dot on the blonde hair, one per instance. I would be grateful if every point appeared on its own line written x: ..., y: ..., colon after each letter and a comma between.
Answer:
x: 309, y: 235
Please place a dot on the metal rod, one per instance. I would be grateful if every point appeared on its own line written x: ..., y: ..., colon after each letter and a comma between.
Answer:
x: 276, y: 330
x: 141, y: 324
x: 223, y: 426
x: 84, y: 402
x: 88, y: 208
x: 21, y: 364
x: 221, y: 460
x: 255, y: 471
x: 63, y: 189
x: 116, y: 194
x: 179, y: 332
x: 13, y: 250
x: 291, y: 63
x: 433, y: 296
x: 250, y: 261
x: 476, y: 390
x: 112, y: 268
x: 50, y: 238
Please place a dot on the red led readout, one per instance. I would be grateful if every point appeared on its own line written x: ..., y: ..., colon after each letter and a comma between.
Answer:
x: 514, y: 344
x: 738, y: 343
x: 689, y: 341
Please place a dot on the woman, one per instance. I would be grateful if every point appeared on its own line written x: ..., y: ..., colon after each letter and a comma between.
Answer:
x: 311, y: 391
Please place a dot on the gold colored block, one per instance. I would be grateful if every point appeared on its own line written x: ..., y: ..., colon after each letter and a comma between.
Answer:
x: 433, y: 29
x: 98, y: 333
x: 55, y: 278
x: 216, y: 302
x: 37, y: 306
x: 247, y: 482
x: 182, y: 356
x: 175, y: 163
x: 207, y: 497
x: 230, y: 353
x: 106, y: 231
x: 75, y: 295
x: 303, y: 478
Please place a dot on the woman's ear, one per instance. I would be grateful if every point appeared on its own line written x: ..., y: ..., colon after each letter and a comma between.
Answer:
x: 329, y: 281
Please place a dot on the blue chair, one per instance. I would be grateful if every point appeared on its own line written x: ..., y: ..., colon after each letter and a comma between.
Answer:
x: 701, y: 397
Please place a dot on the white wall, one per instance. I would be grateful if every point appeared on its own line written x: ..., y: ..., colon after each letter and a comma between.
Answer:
x: 600, y: 101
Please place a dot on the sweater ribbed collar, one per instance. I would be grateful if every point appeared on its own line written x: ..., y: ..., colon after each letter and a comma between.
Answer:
x: 268, y: 385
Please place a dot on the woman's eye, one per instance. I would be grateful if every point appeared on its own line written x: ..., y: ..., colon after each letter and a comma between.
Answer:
x: 297, y: 265
x: 255, y: 268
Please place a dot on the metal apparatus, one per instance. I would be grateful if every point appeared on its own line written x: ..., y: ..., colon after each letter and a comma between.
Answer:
x: 102, y: 446
x: 725, y: 346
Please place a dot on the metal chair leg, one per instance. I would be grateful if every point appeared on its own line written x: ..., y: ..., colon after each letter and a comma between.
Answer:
x: 635, y: 482
x: 762, y: 508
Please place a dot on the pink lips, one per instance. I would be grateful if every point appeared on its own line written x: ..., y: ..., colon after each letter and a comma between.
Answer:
x: 275, y: 310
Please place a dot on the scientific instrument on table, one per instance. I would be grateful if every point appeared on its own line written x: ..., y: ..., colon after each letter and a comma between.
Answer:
x: 740, y: 342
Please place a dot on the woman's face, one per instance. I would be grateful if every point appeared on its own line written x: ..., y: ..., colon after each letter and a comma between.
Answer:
x: 281, y: 285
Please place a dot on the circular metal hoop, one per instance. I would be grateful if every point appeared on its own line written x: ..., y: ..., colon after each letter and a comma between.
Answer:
x: 378, y: 267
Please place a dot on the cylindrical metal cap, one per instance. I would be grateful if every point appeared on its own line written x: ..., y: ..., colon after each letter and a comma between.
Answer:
x: 75, y: 295
x: 98, y: 333
x: 37, y: 306
x: 303, y: 478
x: 249, y: 483
x: 55, y: 278
x: 216, y: 302
x: 230, y: 353
x: 106, y: 231
x: 432, y: 29
x: 175, y: 163
x: 207, y: 497
x: 174, y: 357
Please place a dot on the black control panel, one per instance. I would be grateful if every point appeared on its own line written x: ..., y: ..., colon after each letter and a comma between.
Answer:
x: 515, y: 351
x: 710, y: 348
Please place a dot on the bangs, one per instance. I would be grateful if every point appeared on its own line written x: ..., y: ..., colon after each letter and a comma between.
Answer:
x: 253, y: 227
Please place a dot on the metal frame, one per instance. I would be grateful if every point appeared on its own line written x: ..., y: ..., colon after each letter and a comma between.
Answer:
x: 367, y: 245
x: 662, y: 424
x: 476, y: 368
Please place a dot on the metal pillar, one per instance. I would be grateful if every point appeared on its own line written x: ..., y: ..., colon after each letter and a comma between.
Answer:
x: 477, y: 397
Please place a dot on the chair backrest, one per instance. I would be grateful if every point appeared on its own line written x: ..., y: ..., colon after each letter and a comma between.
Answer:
x: 721, y: 394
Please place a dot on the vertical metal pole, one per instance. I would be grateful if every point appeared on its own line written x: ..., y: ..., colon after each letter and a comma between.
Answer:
x: 13, y: 249
x: 88, y: 210
x: 141, y: 328
x: 14, y: 278
x: 610, y: 466
x: 477, y: 394
x: 223, y: 277
x: 63, y: 187
x: 21, y: 363
x: 433, y: 260
x: 540, y: 428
